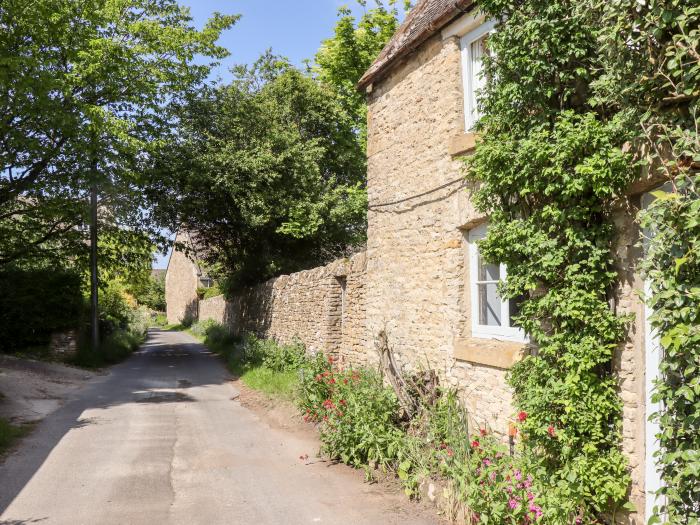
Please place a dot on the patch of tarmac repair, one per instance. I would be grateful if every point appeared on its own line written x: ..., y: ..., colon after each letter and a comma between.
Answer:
x: 162, y: 397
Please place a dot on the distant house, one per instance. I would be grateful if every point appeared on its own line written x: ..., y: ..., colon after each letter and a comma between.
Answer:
x: 183, y: 277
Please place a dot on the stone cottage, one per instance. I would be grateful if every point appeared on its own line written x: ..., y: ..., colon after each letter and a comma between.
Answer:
x: 184, y: 276
x: 421, y: 279
x: 425, y: 280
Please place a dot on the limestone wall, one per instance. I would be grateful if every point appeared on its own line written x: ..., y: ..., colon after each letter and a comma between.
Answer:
x: 417, y: 264
x: 322, y: 307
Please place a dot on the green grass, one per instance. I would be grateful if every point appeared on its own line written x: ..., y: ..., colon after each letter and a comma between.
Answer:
x: 256, y: 376
x: 114, y: 348
x: 271, y: 382
x: 10, y: 433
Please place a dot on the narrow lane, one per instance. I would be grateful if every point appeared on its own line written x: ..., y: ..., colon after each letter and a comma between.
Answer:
x: 160, y: 440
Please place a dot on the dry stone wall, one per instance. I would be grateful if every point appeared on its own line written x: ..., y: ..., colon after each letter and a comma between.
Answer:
x: 323, y: 308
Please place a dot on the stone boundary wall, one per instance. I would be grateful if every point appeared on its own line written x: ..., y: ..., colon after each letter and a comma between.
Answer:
x: 323, y: 308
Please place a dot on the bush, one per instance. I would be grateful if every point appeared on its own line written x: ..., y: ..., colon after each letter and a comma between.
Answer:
x: 34, y: 303
x: 122, y: 330
x: 358, y: 417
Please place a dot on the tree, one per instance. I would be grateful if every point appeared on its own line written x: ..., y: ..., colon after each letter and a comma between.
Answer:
x: 342, y: 59
x: 267, y: 171
x: 85, y: 92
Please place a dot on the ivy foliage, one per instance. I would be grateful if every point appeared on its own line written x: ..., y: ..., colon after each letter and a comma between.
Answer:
x: 652, y: 70
x: 673, y: 268
x: 550, y: 167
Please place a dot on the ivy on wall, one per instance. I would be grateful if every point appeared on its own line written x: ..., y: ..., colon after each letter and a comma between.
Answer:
x: 571, y: 86
x: 652, y: 71
x: 550, y: 167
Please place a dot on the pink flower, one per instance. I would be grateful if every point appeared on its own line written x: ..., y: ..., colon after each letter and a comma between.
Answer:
x: 550, y: 430
x: 536, y: 510
x: 522, y: 416
x: 512, y: 503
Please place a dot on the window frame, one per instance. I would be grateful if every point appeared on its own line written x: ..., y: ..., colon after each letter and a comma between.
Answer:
x: 506, y: 333
x: 471, y: 115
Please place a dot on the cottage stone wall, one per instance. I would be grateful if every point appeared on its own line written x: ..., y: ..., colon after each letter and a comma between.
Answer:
x: 418, y: 222
x: 323, y: 308
x: 181, y: 282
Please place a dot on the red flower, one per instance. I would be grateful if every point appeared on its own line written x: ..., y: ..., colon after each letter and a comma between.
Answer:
x: 550, y: 430
x: 475, y: 443
x: 483, y: 431
x: 522, y: 416
x: 343, y: 402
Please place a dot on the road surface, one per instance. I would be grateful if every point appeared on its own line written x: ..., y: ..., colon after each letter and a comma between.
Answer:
x: 160, y: 440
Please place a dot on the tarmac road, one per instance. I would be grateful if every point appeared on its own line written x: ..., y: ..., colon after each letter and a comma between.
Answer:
x: 160, y: 440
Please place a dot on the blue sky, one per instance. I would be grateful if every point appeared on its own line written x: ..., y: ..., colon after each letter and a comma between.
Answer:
x: 292, y: 28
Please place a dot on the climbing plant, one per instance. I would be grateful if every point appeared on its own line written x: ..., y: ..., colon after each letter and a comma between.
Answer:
x: 652, y: 70
x: 550, y: 167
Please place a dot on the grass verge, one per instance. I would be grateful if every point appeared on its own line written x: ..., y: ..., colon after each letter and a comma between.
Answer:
x: 9, y: 434
x: 245, y: 358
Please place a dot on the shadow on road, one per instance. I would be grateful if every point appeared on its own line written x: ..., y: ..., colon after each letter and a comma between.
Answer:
x: 154, y: 374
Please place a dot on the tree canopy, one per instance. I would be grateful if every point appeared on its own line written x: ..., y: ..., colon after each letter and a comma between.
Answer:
x: 342, y: 59
x: 85, y: 92
x: 267, y: 171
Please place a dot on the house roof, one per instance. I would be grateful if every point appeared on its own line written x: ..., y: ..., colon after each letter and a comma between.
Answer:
x: 427, y: 17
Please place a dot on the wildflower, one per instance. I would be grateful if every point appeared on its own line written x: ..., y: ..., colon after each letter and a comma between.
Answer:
x: 536, y: 510
x: 345, y: 381
x: 330, y: 359
x: 343, y: 402
x: 319, y: 377
x: 550, y: 430
x: 331, y: 381
x: 512, y: 504
x: 475, y: 443
x: 522, y: 416
x: 518, y: 475
x: 487, y: 462
x: 530, y: 496
x: 483, y: 431
x: 450, y: 452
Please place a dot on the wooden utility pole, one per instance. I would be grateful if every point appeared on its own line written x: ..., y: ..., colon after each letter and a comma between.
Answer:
x: 94, y: 315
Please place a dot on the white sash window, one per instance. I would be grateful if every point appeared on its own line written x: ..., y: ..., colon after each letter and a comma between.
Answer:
x: 491, y: 315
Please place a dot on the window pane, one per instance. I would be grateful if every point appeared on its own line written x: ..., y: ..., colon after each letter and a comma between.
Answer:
x: 489, y: 305
x: 477, y: 52
x: 488, y: 272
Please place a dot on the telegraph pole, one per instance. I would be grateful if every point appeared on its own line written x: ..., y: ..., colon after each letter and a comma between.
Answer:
x: 94, y: 315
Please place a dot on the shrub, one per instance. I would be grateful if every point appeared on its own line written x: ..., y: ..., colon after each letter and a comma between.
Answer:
x: 358, y: 418
x: 34, y: 303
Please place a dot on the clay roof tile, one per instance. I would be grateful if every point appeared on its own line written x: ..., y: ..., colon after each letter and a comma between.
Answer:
x: 427, y: 17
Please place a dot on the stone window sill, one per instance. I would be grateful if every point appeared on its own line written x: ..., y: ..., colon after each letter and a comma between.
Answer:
x: 462, y: 144
x: 489, y: 352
